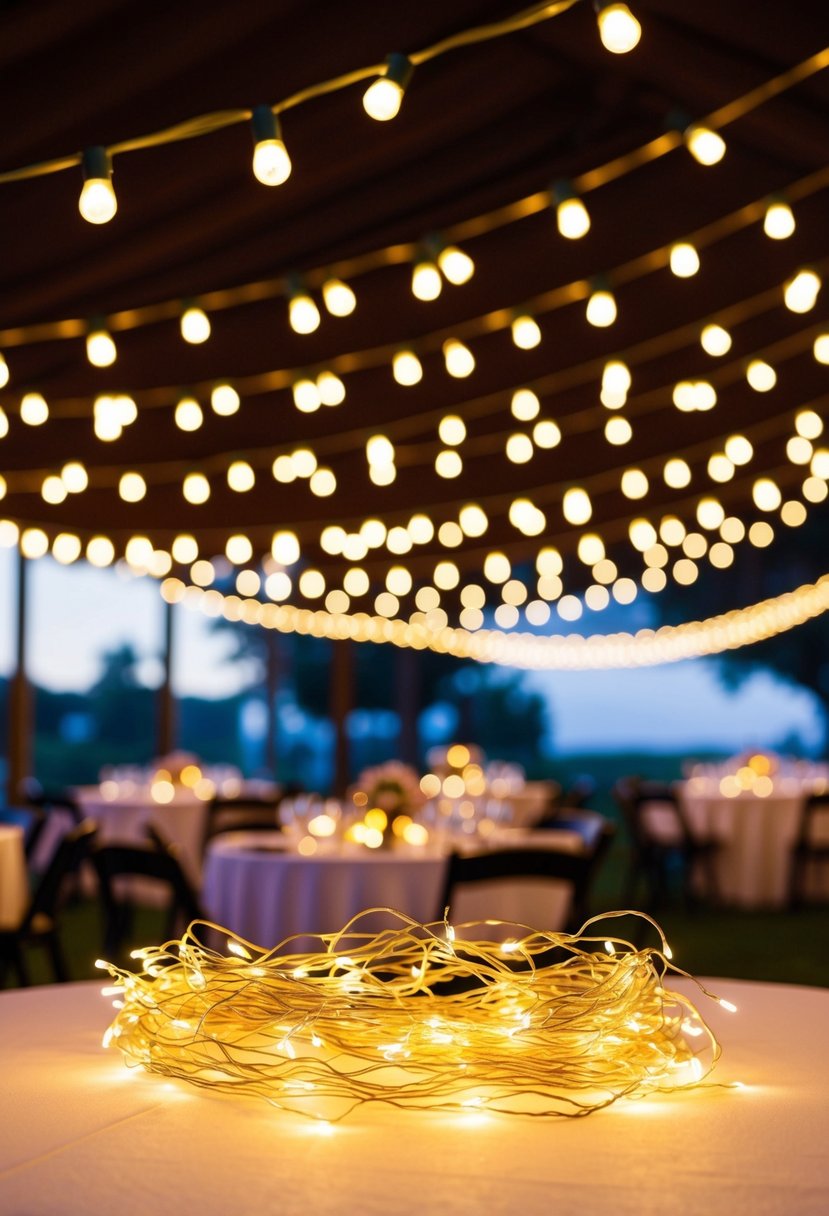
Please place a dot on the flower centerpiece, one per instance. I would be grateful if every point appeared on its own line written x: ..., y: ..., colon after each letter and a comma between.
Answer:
x: 393, y: 789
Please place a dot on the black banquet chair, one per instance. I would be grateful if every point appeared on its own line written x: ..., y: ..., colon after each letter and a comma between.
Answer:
x: 245, y: 813
x: 575, y: 869
x: 663, y: 847
x: 120, y: 870
x: 40, y: 925
x: 32, y: 821
x: 811, y: 849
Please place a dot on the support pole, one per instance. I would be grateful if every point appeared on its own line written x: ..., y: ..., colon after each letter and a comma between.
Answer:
x: 166, y: 707
x: 342, y: 700
x: 272, y: 674
x: 407, y: 701
x: 21, y: 724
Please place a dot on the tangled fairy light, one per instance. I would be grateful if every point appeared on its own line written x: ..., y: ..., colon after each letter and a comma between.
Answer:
x: 427, y: 1017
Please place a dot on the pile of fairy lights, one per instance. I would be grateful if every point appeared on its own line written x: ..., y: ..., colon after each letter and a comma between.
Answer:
x: 424, y: 1017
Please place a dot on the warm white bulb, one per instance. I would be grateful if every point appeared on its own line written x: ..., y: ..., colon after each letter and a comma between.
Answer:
x: 4, y: 372
x: 53, y: 490
x: 576, y: 506
x: 426, y: 281
x: 618, y: 28
x: 715, y: 340
x: 338, y: 298
x: 196, y: 488
x: 801, y: 292
x: 224, y: 400
x: 239, y: 549
x: 525, y: 332
x: 303, y: 314
x: 74, y: 476
x: 33, y: 409
x: 195, y: 325
x: 601, y: 308
x: 684, y: 260
x: 188, y: 414
x: 331, y: 388
x: 100, y: 551
x: 271, y: 162
x: 100, y: 348
x: 132, y: 487
x: 240, y: 476
x: 525, y: 405
x: 452, y: 430
x: 572, y: 218
x: 460, y: 362
x: 97, y: 203
x: 382, y: 99
x: 761, y: 376
x: 456, y: 266
x: 706, y: 146
x: 778, y: 222
x: 285, y: 548
x: 448, y: 463
x: 306, y: 395
x: 407, y: 368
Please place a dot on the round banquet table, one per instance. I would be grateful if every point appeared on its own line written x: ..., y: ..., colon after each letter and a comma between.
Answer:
x: 256, y: 885
x: 756, y: 838
x: 83, y: 1135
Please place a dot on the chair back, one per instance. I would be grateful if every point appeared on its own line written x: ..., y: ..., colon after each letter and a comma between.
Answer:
x: 72, y: 850
x: 242, y: 814
x: 814, y: 823
x: 130, y: 862
x: 652, y: 812
x: 32, y: 819
x: 520, y: 864
x: 33, y: 793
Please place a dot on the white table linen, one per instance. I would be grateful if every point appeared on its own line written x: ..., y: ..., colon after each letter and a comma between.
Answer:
x: 756, y: 838
x: 83, y: 1136
x: 14, y: 885
x: 257, y: 886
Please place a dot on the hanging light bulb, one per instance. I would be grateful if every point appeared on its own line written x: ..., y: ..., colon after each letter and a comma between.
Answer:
x: 196, y: 488
x: 715, y: 340
x: 576, y: 506
x: 97, y: 203
x: 618, y: 28
x: 4, y: 372
x: 407, y: 368
x: 684, y: 260
x: 33, y: 409
x: 306, y: 395
x: 188, y: 414
x: 331, y: 388
x: 384, y: 96
x: 303, y: 314
x: 778, y: 222
x: 616, y: 381
x: 132, y: 487
x: 456, y: 266
x: 801, y: 292
x: 271, y: 162
x: 761, y: 375
x: 224, y: 400
x: 525, y: 331
x: 194, y: 324
x: 601, y: 306
x: 706, y: 146
x: 426, y: 281
x: 460, y: 362
x: 572, y: 218
x: 338, y: 298
x: 100, y: 347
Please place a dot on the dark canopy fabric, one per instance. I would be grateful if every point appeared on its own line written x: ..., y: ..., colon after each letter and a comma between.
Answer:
x: 479, y: 128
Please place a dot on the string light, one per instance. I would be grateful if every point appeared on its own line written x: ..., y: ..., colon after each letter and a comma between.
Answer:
x: 33, y: 409
x: 426, y: 281
x: 240, y: 476
x: 601, y: 307
x: 384, y: 96
x: 618, y: 28
x: 455, y: 264
x: 338, y: 297
x: 525, y: 331
x: 224, y: 400
x: 572, y: 216
x: 100, y: 552
x: 407, y: 368
x: 715, y: 340
x: 706, y: 146
x: 576, y: 506
x: 194, y: 325
x: 188, y: 414
x: 306, y: 395
x: 97, y: 203
x: 761, y: 375
x: 616, y: 382
x: 132, y: 487
x: 196, y: 488
x: 684, y: 259
x: 271, y: 162
x: 800, y: 293
x: 778, y: 221
x: 100, y: 347
x: 303, y: 314
x: 4, y: 371
x: 460, y: 362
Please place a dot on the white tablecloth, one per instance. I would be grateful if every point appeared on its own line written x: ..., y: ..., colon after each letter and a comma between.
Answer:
x: 255, y: 885
x: 14, y: 887
x: 82, y: 1136
x: 756, y: 838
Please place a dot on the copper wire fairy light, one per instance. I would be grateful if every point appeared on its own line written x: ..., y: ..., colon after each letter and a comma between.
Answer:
x: 425, y: 1017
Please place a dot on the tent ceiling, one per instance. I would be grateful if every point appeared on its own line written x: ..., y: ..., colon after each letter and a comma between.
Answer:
x: 480, y: 128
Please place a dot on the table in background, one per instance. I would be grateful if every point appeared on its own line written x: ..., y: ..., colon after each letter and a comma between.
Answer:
x: 756, y: 838
x: 256, y: 885
x: 14, y: 885
x: 83, y: 1136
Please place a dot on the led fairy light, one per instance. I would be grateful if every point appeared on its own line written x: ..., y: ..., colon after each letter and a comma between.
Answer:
x: 384, y: 96
x: 271, y: 162
x: 618, y: 28
x: 194, y: 324
x: 97, y: 203
x: 572, y: 216
x: 100, y: 346
x: 524, y: 1036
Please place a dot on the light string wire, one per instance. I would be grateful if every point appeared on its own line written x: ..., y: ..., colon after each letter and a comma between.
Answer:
x: 231, y: 297
x: 573, y: 652
x: 206, y: 124
x: 378, y: 1018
